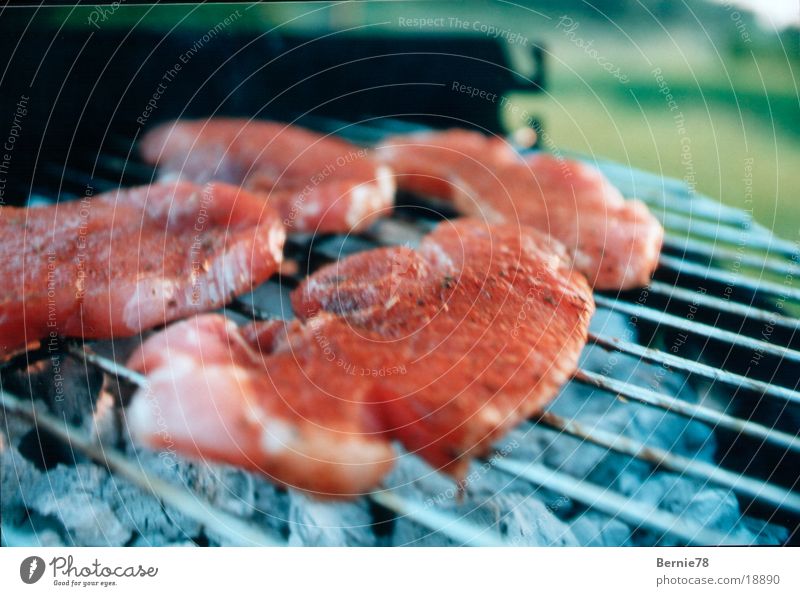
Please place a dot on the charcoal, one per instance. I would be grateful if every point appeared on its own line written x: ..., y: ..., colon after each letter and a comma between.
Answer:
x: 313, y: 522
x: 151, y: 522
x: 18, y: 479
x: 713, y: 508
x: 224, y: 487
x: 271, y: 506
x: 525, y: 521
x: 76, y: 497
x: 67, y: 387
x: 271, y: 298
x: 517, y: 518
x: 596, y: 529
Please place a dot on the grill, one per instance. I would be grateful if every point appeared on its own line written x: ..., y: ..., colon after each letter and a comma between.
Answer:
x: 679, y: 428
x: 718, y: 320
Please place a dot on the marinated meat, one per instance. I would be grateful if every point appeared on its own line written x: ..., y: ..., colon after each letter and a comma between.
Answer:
x: 614, y: 242
x: 317, y: 183
x: 486, y: 323
x: 241, y: 396
x: 129, y: 260
x: 443, y: 348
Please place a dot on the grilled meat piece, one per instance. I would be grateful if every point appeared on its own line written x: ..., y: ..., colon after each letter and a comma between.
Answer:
x: 129, y: 260
x: 614, y: 242
x: 443, y: 348
x: 317, y: 183
x: 486, y: 323
x: 241, y: 396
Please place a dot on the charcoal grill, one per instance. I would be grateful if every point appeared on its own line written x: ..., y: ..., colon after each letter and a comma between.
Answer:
x: 720, y: 316
x: 695, y: 227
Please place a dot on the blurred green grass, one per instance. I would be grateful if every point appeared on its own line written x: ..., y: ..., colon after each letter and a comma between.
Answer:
x: 743, y: 132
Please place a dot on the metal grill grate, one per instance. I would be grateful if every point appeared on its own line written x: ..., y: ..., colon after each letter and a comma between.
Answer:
x: 698, y: 245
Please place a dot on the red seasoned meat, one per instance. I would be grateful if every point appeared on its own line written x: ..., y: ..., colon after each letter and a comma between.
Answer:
x: 129, y: 260
x: 434, y: 163
x: 443, y: 348
x: 486, y: 323
x: 317, y: 183
x: 241, y: 396
x: 614, y: 242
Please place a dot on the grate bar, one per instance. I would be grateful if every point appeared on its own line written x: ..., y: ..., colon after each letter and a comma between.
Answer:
x: 235, y: 529
x: 696, y: 209
x: 729, y: 278
x: 107, y: 365
x: 732, y: 234
x: 762, y: 491
x: 660, y: 318
x: 689, y: 410
x: 250, y: 310
x: 699, y: 209
x: 136, y: 169
x: 617, y: 506
x: 787, y: 267
x: 697, y: 368
x: 454, y: 528
x: 69, y: 174
x: 722, y: 305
